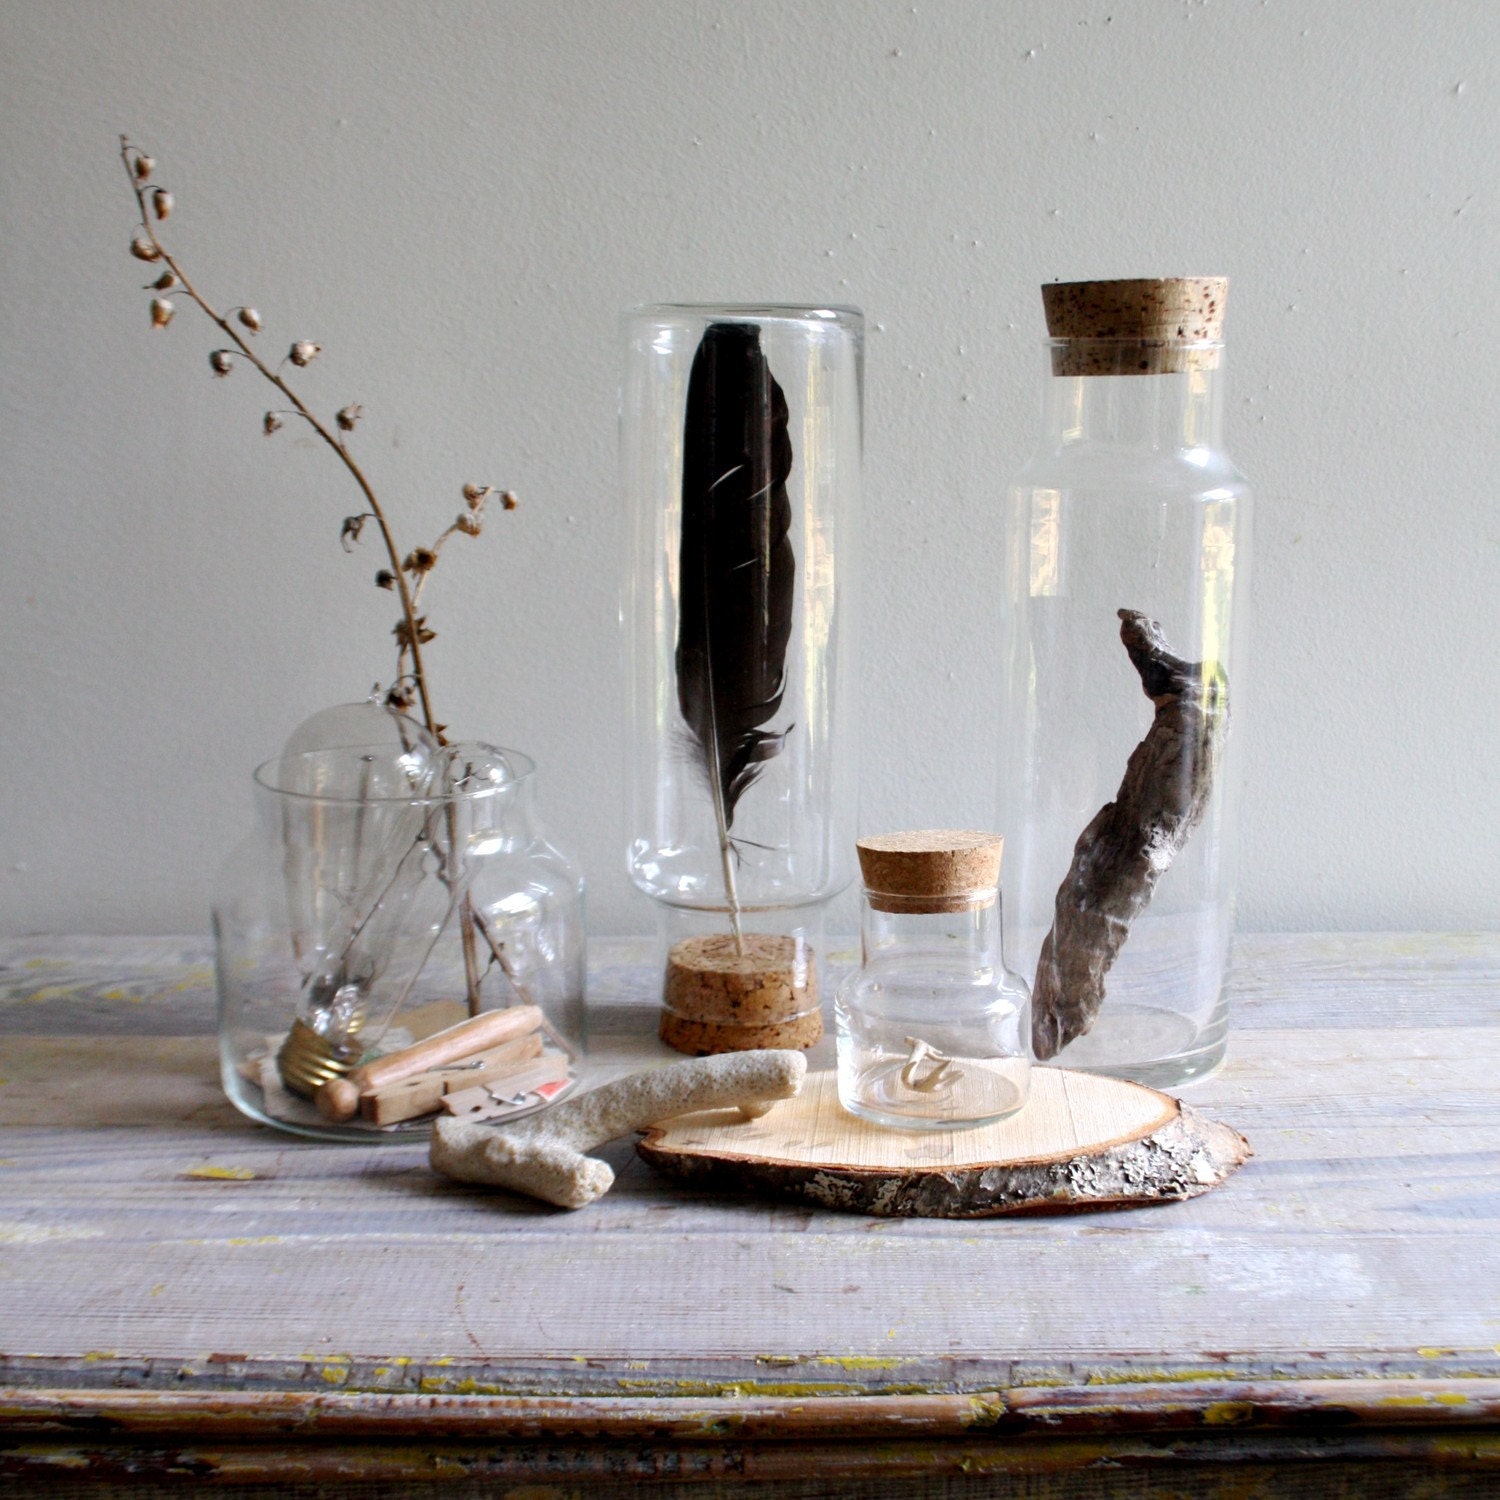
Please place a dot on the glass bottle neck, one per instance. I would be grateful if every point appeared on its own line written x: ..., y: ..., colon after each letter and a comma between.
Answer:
x: 1174, y: 409
x: 971, y: 936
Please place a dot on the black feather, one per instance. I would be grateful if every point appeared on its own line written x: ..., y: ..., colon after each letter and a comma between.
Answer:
x: 738, y: 571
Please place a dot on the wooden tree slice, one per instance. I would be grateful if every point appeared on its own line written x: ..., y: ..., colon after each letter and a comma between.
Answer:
x: 1082, y: 1142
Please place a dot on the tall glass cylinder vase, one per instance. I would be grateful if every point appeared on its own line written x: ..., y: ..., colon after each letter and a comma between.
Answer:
x: 741, y: 445
x: 1126, y: 569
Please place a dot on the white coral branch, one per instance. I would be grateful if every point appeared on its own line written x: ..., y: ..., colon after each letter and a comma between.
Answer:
x: 545, y: 1155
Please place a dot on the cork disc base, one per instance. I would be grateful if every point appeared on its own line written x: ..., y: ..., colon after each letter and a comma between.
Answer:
x: 718, y: 998
x: 1082, y: 1141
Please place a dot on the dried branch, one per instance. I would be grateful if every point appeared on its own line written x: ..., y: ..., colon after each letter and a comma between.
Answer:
x: 155, y: 204
x: 406, y: 575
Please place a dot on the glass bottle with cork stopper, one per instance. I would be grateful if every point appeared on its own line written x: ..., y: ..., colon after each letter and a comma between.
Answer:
x: 1128, y: 527
x: 933, y: 1029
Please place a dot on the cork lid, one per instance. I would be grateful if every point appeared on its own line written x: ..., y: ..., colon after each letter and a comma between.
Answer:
x: 1144, y: 326
x: 931, y: 870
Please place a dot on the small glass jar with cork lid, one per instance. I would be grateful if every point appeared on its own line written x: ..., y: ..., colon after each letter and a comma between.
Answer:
x: 933, y: 1029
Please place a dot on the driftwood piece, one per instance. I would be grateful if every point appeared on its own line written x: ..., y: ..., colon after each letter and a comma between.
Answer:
x: 1130, y: 842
x: 1082, y: 1142
x: 544, y: 1155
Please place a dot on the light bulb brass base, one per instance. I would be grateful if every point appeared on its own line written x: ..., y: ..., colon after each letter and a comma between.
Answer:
x: 307, y: 1061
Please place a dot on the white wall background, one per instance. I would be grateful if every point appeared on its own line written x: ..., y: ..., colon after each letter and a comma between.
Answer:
x: 455, y: 199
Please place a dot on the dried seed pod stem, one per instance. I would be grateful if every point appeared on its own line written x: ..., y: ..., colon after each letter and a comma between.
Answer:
x: 146, y: 246
x: 468, y: 521
x: 412, y: 631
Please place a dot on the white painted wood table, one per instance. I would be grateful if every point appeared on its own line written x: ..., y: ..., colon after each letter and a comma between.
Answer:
x: 188, y: 1300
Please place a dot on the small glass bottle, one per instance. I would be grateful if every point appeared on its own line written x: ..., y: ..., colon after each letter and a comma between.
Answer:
x: 1128, y: 528
x: 933, y: 1030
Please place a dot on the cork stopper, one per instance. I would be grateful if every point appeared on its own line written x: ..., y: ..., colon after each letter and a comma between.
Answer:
x: 931, y: 870
x: 1145, y: 326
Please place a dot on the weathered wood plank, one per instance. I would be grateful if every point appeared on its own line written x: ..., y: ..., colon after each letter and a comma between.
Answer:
x: 156, y: 1251
x: 1192, y: 1406
x: 1350, y: 980
x: 98, y: 985
x: 1414, y: 1464
x: 1311, y: 1474
x: 870, y: 1310
x: 1307, y: 1256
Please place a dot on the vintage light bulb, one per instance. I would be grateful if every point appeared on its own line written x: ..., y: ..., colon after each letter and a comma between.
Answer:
x: 370, y: 875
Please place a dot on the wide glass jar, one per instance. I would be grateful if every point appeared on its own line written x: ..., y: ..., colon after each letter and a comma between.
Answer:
x: 740, y: 433
x: 384, y: 897
x: 1127, y: 547
x: 933, y: 1029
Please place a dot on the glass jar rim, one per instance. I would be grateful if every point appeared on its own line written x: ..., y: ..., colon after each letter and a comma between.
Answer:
x: 264, y: 777
x: 932, y: 903
x: 798, y: 312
